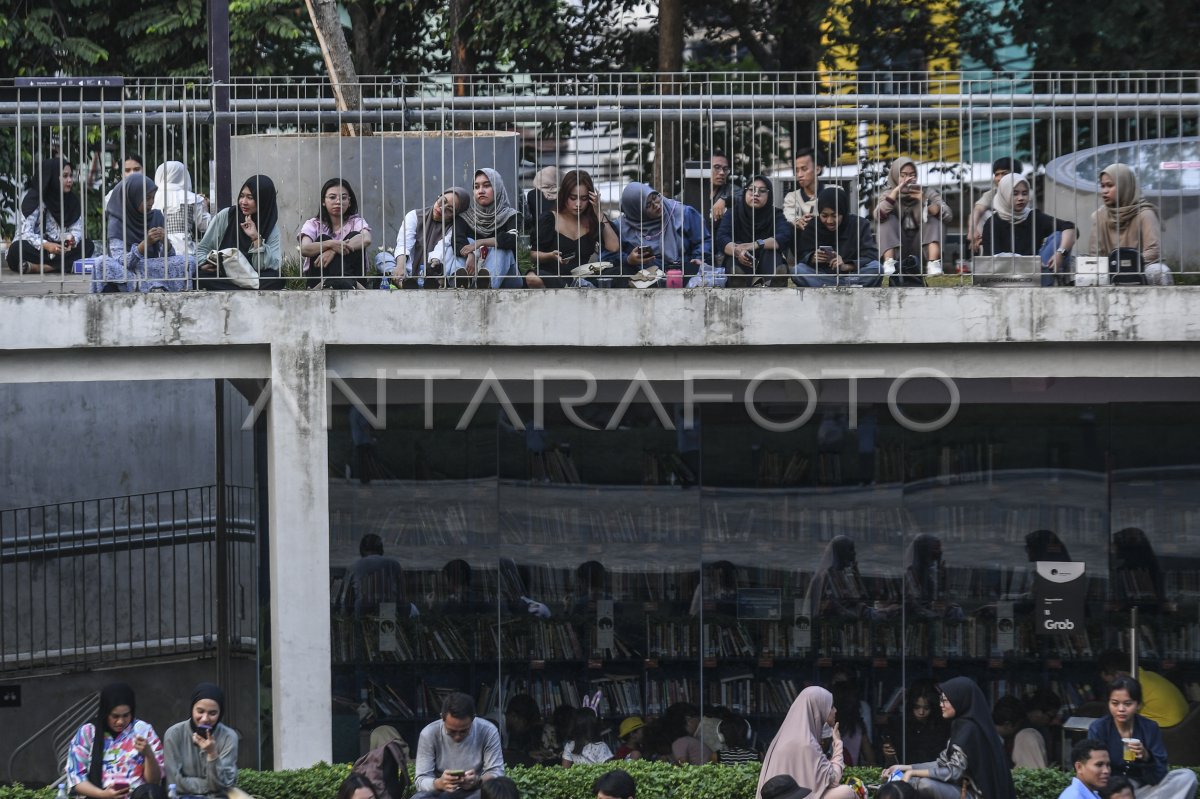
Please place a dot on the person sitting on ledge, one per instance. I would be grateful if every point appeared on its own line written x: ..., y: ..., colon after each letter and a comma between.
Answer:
x: 139, y: 257
x: 486, y: 236
x: 425, y: 243
x: 50, y: 238
x: 839, y: 250
x: 334, y: 243
x: 1127, y: 220
x: 1017, y: 227
x: 657, y: 232
x: 754, y: 235
x: 251, y: 225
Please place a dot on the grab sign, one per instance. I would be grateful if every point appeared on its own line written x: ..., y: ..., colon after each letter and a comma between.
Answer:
x: 1059, y: 594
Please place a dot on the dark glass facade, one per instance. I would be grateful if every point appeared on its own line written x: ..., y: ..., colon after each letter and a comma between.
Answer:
x: 732, y: 564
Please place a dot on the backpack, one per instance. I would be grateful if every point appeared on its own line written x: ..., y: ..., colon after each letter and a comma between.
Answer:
x: 386, y: 768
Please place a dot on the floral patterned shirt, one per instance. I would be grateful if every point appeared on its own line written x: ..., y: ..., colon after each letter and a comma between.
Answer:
x: 122, y: 763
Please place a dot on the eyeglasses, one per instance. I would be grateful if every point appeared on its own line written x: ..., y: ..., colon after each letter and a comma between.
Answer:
x: 720, y: 168
x: 757, y: 191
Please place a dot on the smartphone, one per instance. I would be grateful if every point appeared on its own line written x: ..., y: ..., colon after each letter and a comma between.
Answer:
x: 826, y: 248
x: 568, y: 258
x: 204, y: 732
x: 645, y: 251
x: 120, y: 786
x: 455, y: 772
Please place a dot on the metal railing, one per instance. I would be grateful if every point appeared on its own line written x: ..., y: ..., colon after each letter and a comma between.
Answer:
x: 418, y: 134
x: 124, y: 578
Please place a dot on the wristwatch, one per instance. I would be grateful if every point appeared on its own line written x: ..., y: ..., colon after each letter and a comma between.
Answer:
x: 760, y: 243
x: 1061, y: 251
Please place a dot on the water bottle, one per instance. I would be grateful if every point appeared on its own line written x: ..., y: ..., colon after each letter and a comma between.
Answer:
x: 62, y: 791
x: 171, y: 792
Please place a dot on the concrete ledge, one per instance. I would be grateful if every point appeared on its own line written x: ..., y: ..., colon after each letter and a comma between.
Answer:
x: 606, y: 319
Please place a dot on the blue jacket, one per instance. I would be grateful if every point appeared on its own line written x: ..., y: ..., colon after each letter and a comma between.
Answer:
x: 1149, y: 772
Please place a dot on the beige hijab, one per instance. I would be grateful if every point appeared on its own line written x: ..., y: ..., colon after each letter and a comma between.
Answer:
x: 796, y: 749
x: 1112, y: 223
x: 546, y: 181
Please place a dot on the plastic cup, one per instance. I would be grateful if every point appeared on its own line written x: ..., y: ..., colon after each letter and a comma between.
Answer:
x: 1128, y: 754
x: 674, y: 278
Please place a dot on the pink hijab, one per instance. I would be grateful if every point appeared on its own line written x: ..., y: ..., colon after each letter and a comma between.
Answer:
x: 796, y: 750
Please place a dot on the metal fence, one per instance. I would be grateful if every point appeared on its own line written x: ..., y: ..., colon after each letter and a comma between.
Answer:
x: 414, y: 136
x: 127, y: 578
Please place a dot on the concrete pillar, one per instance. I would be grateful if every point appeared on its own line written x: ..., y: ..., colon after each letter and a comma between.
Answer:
x: 298, y: 477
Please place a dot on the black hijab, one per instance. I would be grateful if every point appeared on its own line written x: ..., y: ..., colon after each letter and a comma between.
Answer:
x: 207, y: 690
x: 265, y: 216
x: 125, y: 221
x: 50, y: 194
x: 832, y: 198
x: 751, y: 224
x: 112, y: 696
x: 972, y: 730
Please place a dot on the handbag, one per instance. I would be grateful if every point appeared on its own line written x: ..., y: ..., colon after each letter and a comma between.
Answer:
x: 234, y: 265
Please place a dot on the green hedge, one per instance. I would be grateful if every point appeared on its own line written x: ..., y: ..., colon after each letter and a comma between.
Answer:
x: 654, y: 781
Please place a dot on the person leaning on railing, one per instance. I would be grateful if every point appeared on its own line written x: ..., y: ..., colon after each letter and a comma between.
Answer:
x: 754, y: 235
x: 1017, y: 227
x: 50, y: 238
x: 1128, y: 220
x: 250, y: 225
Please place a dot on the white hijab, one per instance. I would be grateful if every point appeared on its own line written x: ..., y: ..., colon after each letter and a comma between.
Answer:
x: 174, y: 186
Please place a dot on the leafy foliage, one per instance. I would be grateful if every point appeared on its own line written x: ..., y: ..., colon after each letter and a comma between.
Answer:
x: 654, y: 781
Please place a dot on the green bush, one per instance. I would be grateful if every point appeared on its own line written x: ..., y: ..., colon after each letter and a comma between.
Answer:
x: 654, y: 781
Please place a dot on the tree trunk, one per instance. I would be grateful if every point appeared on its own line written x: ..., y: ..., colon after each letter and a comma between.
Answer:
x: 462, y: 60
x: 667, y: 146
x: 336, y: 52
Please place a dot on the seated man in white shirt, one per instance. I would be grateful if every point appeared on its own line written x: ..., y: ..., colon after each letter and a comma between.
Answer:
x: 458, y: 753
x: 1092, y: 770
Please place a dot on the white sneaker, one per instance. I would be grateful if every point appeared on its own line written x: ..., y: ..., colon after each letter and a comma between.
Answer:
x: 889, y: 266
x: 933, y: 267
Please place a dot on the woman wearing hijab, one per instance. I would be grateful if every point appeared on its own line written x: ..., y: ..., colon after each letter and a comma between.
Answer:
x: 1016, y: 227
x: 1128, y: 220
x: 117, y: 755
x: 840, y: 249
x: 334, y: 243
x: 754, y: 237
x: 796, y: 749
x: 486, y: 235
x: 251, y: 225
x: 910, y: 220
x: 186, y: 213
x: 425, y: 243
x: 575, y: 232
x: 202, y: 752
x: 51, y: 234
x: 973, y: 762
x: 925, y: 578
x: 140, y: 257
x: 657, y: 232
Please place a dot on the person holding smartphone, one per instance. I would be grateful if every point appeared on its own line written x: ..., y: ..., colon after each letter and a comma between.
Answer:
x: 117, y: 756
x: 575, y: 232
x: 657, y: 232
x: 50, y: 238
x: 457, y: 753
x: 840, y: 249
x: 202, y: 752
x: 911, y: 219
x: 139, y: 257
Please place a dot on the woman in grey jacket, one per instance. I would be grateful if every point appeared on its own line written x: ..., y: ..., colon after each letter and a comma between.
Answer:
x: 201, y: 753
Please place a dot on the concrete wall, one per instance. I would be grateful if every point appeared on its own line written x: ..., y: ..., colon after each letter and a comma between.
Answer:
x: 300, y: 339
x: 391, y: 173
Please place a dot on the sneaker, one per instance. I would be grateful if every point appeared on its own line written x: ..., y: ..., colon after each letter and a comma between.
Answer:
x: 889, y: 266
x: 933, y: 267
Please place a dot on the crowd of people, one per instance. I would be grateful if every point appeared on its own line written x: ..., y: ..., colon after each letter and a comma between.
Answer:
x: 956, y: 745
x: 160, y: 235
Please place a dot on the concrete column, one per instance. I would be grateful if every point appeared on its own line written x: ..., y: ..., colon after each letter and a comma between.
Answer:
x: 298, y: 477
